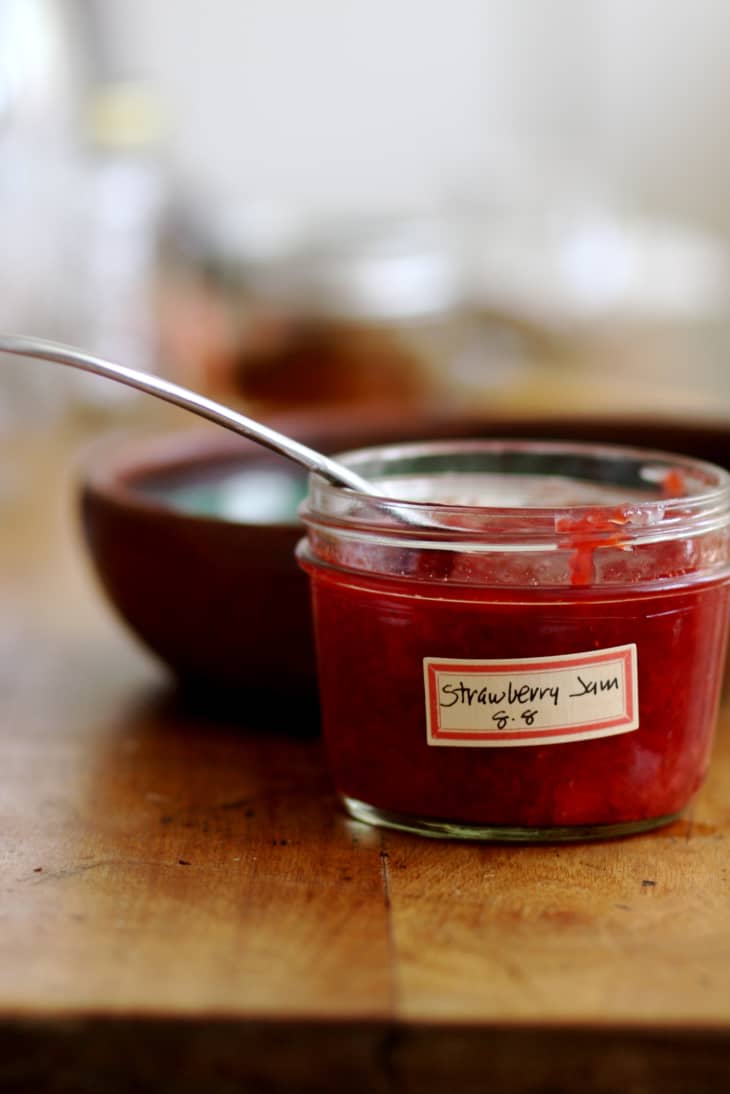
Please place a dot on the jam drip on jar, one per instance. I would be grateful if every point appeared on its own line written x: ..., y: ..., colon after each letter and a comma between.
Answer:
x: 583, y: 534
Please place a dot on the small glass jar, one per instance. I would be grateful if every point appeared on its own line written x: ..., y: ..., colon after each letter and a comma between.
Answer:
x: 368, y: 313
x: 527, y: 644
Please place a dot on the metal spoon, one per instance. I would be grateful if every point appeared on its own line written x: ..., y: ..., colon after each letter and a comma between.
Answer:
x: 330, y: 469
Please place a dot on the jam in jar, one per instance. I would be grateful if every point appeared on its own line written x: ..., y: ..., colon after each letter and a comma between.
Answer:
x: 519, y: 640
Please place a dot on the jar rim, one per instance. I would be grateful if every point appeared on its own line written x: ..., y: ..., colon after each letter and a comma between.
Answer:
x: 355, y: 458
x: 702, y: 508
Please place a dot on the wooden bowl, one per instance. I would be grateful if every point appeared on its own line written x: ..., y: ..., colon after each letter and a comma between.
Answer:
x: 217, y: 595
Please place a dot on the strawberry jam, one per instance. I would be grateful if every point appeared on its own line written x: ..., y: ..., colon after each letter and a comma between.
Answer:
x: 522, y: 641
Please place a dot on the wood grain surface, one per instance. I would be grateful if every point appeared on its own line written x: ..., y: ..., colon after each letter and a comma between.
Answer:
x: 184, y: 907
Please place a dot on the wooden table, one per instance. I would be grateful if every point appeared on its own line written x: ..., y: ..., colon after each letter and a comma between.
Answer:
x: 185, y: 909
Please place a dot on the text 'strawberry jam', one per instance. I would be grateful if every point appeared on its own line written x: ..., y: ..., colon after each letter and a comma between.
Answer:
x: 520, y: 640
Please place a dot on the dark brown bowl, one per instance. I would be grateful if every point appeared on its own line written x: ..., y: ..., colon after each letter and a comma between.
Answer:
x: 222, y: 600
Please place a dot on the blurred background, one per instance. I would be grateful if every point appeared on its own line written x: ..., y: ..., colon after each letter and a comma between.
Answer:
x: 507, y: 205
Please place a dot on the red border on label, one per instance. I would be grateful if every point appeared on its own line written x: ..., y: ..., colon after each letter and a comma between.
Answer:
x: 529, y: 666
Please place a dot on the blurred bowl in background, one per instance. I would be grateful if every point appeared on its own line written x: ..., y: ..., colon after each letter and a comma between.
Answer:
x: 192, y: 535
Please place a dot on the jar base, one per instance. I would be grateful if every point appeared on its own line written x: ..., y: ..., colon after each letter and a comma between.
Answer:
x: 492, y: 833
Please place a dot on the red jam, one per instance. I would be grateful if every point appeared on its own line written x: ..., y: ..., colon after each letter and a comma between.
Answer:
x: 381, y: 614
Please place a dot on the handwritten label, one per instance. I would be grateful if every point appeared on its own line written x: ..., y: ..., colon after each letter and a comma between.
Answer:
x: 536, y: 700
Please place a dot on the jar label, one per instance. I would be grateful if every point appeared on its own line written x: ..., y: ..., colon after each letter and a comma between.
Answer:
x: 535, y: 700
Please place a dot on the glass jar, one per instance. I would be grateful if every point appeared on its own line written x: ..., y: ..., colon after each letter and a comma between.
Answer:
x: 368, y: 313
x: 527, y: 644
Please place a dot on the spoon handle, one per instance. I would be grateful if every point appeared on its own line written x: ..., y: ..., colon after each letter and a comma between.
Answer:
x: 43, y: 350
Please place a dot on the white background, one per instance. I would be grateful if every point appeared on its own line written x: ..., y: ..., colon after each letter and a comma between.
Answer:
x: 367, y: 103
